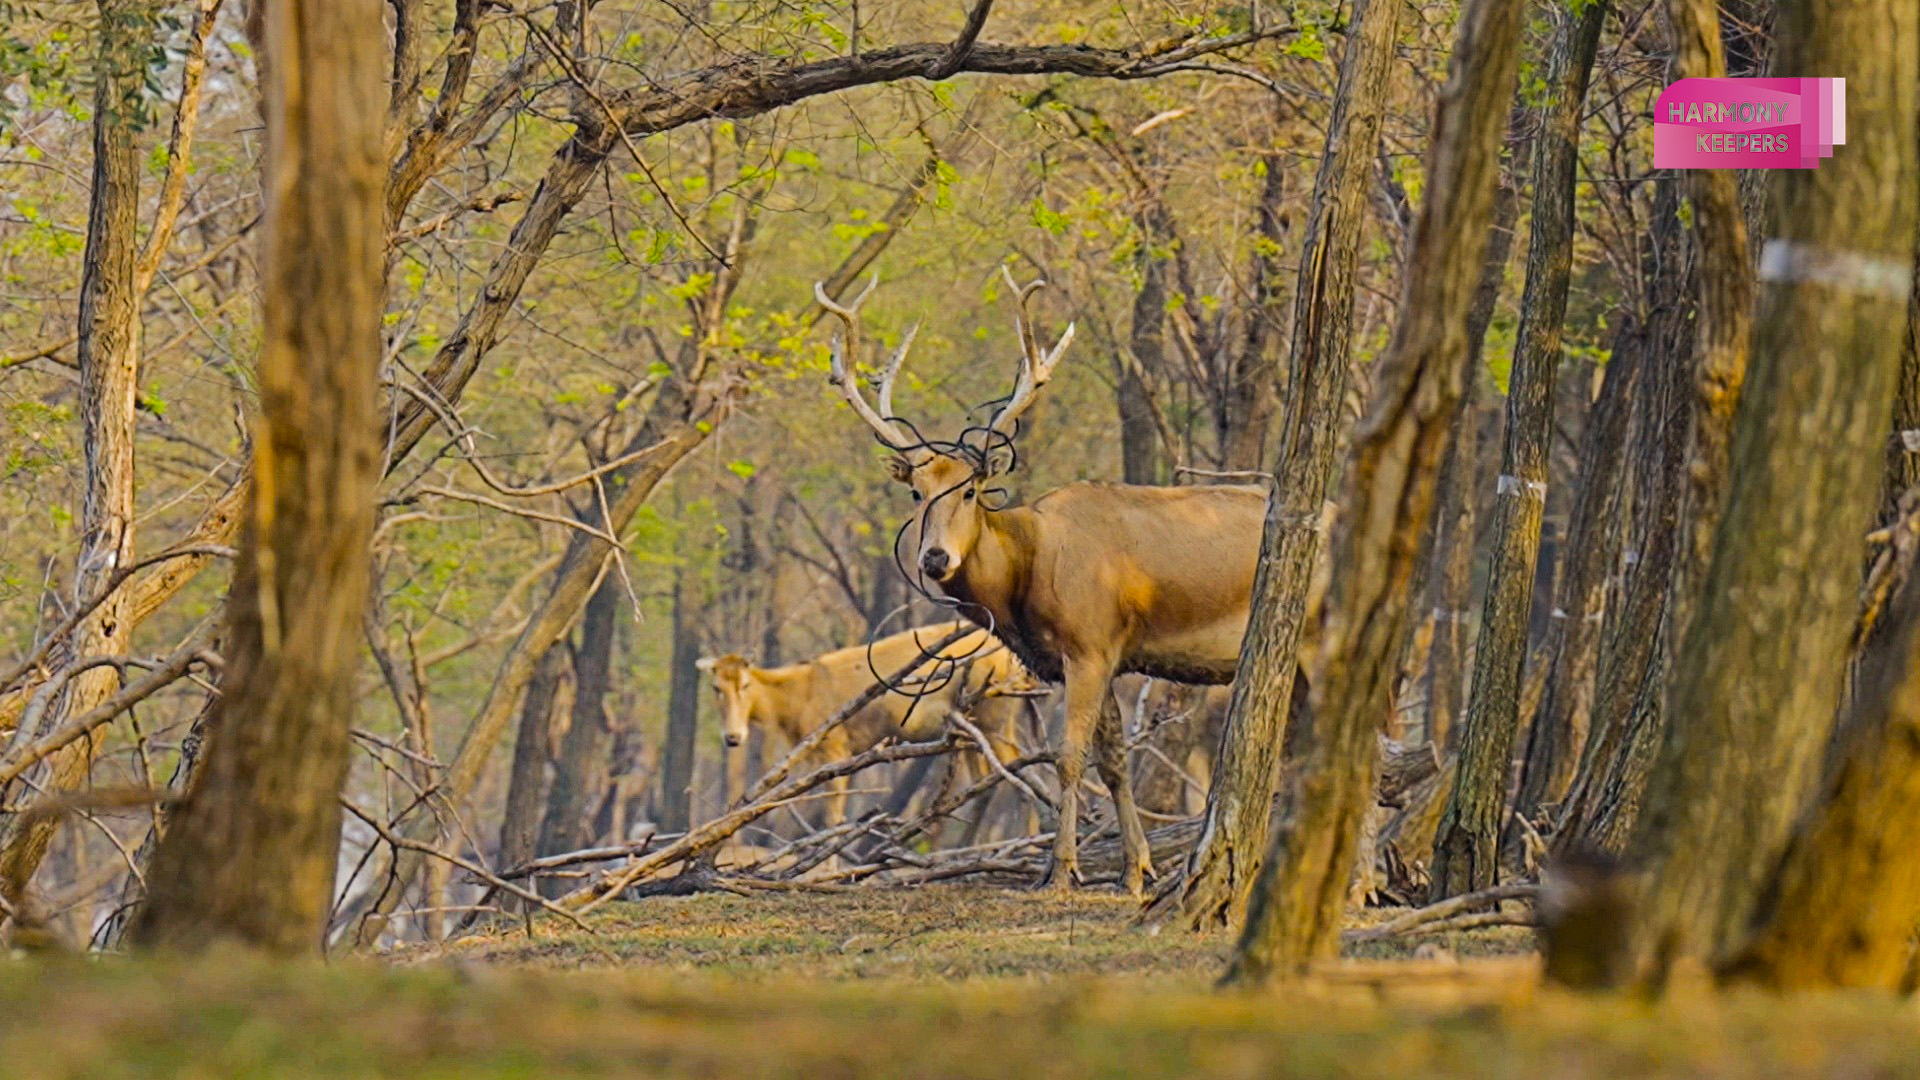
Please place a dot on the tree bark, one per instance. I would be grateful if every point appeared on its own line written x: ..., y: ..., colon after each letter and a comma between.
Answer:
x: 1294, y: 916
x: 109, y: 355
x: 683, y: 716
x: 1759, y: 669
x: 1466, y: 850
x: 1841, y: 909
x: 527, y: 782
x: 1443, y: 573
x: 1559, y: 728
x: 250, y: 855
x: 581, y: 776
x: 1221, y: 868
x: 1619, y: 730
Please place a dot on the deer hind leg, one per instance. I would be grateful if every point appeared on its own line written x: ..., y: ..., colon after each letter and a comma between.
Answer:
x: 1111, y: 741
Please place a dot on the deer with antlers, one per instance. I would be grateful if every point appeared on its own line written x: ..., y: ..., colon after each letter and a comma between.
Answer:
x: 1087, y: 582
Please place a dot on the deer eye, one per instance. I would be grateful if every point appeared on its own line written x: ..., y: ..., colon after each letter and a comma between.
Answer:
x: 916, y: 494
x: 970, y: 493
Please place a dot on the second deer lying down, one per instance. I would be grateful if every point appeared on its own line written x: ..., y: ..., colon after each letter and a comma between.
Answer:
x: 1088, y: 581
x: 791, y: 701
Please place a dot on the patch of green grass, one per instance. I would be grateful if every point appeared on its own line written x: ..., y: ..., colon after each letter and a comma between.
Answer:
x: 939, y: 983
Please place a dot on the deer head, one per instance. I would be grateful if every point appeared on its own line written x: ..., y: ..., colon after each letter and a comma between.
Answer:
x: 735, y: 688
x: 946, y: 478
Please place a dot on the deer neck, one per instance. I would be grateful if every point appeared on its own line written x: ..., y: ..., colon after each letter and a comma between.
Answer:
x: 996, y: 572
x: 788, y: 698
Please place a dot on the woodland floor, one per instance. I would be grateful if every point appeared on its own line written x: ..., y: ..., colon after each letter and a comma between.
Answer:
x: 935, y: 983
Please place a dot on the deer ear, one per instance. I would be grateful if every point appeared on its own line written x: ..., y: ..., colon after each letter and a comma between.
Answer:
x: 900, y: 468
x: 1000, y: 460
x: 706, y: 663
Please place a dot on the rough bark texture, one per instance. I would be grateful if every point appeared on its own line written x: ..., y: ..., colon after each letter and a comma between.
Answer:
x: 581, y: 775
x: 250, y: 855
x: 1220, y: 870
x: 1842, y: 907
x: 1758, y: 672
x: 1594, y: 813
x: 1443, y: 574
x: 1466, y: 850
x: 109, y: 354
x: 1294, y: 916
x: 1559, y: 728
x: 683, y: 715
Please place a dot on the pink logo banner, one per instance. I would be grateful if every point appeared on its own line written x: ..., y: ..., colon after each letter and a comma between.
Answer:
x: 1749, y: 123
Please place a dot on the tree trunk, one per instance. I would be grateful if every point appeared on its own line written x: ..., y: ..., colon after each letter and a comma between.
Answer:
x: 527, y: 782
x: 1618, y: 730
x: 1251, y: 396
x: 1559, y: 728
x: 1758, y: 672
x: 683, y: 716
x: 1842, y: 907
x: 581, y: 775
x: 1295, y: 913
x: 1220, y: 870
x: 1140, y: 450
x: 1443, y: 573
x: 250, y: 855
x: 109, y: 353
x: 1466, y: 850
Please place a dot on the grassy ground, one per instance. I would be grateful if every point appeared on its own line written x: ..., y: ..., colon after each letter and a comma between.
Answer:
x: 941, y: 982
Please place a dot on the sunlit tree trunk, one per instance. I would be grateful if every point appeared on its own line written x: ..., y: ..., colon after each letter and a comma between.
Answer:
x: 1602, y: 800
x: 1221, y: 868
x: 1466, y: 849
x: 250, y: 855
x: 1758, y: 672
x: 1559, y: 727
x: 1295, y: 913
x: 109, y: 354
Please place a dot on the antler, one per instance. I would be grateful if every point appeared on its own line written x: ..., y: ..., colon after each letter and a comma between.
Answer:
x: 1035, y: 367
x: 848, y: 344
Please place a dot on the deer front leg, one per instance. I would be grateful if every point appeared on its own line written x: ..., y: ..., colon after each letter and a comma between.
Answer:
x: 1111, y: 743
x: 1086, y: 689
x: 836, y: 748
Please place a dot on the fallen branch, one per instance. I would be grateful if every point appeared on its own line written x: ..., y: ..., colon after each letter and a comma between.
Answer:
x: 697, y: 841
x: 1450, y: 914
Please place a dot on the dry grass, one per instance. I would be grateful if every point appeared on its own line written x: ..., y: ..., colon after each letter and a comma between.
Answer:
x: 937, y: 983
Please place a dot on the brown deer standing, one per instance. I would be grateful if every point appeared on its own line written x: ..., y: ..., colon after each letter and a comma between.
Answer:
x: 1089, y: 581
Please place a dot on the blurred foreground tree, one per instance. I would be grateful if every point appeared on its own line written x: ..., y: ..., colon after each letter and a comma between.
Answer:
x: 251, y: 854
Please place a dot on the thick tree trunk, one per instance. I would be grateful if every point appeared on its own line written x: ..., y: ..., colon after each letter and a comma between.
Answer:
x: 1295, y: 913
x: 1758, y: 673
x: 109, y: 354
x: 1220, y: 870
x: 527, y: 782
x: 683, y: 716
x: 250, y: 855
x: 581, y: 776
x: 1466, y: 850
x: 1559, y: 728
x: 1842, y: 908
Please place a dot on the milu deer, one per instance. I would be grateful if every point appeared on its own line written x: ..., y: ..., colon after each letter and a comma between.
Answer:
x: 791, y: 701
x: 1088, y: 581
